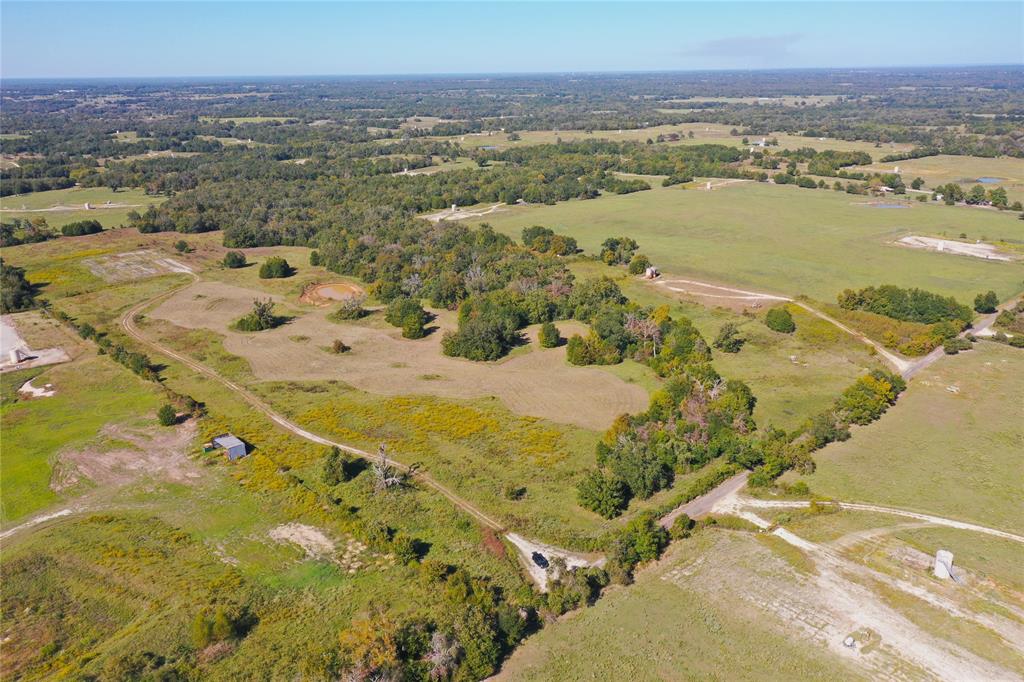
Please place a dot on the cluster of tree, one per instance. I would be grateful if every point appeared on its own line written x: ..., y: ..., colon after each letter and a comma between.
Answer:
x: 138, y: 363
x: 16, y: 292
x: 544, y: 240
x: 618, y: 250
x: 81, y: 227
x: 467, y: 637
x: 910, y: 305
x: 24, y: 231
x: 408, y: 314
x: 986, y: 303
x: 977, y: 195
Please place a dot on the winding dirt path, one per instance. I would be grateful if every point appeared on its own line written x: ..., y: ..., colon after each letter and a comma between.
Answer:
x: 130, y: 327
x: 900, y: 364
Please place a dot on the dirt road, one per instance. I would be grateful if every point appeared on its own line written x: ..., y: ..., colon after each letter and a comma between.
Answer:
x: 898, y: 363
x: 129, y: 324
x: 702, y: 506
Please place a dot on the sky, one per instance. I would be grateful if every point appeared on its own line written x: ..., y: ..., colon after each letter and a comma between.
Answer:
x: 43, y: 39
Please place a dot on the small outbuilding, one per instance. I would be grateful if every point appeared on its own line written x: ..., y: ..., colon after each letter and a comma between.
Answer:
x: 234, y: 447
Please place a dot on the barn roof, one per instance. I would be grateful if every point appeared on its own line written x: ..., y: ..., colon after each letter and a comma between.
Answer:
x: 227, y: 441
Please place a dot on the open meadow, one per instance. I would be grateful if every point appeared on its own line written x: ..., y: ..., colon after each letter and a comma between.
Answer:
x: 954, y: 439
x: 62, y: 206
x: 784, y: 240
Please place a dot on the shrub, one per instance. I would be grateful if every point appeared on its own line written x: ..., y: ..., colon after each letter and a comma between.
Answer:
x: 167, y: 415
x: 412, y: 327
x: 986, y: 303
x: 262, y: 317
x: 639, y: 264
x: 729, y: 339
x: 780, y: 320
x: 314, y: 258
x: 81, y: 227
x: 682, y: 527
x: 181, y: 246
x: 602, y: 494
x: 275, y: 267
x: 338, y: 347
x: 351, y: 308
x: 234, y: 259
x: 549, y: 336
x: 955, y: 345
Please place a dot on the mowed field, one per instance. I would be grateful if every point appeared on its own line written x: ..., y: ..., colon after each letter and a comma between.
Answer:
x: 1004, y: 171
x: 784, y: 240
x: 953, y: 445
x: 63, y: 206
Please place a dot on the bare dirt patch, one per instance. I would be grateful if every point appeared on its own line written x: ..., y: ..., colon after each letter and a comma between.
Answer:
x: 533, y: 381
x: 314, y: 542
x: 325, y: 294
x: 122, y: 267
x: 976, y: 250
x: 459, y: 213
x: 156, y: 452
x: 30, y: 391
x: 15, y: 352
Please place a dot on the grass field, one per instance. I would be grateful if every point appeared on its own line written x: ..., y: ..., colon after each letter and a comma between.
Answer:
x: 954, y: 453
x: 670, y: 626
x: 792, y: 375
x: 783, y: 239
x: 247, y: 119
x: 68, y: 205
x: 703, y: 133
x: 963, y: 170
x: 91, y: 392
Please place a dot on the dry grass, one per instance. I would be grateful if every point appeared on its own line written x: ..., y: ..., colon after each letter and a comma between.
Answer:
x: 533, y: 382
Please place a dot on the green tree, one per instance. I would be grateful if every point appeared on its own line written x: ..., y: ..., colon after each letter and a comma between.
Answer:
x: 549, y: 336
x: 917, y: 183
x: 234, y: 259
x: 167, y: 415
x: 729, y: 339
x: 275, y: 267
x: 986, y: 303
x: 16, y: 293
x: 780, y: 320
x: 602, y: 493
x: 639, y: 264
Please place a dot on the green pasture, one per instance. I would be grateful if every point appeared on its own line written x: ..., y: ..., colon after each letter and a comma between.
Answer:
x: 91, y: 392
x: 951, y: 446
x: 73, y: 200
x: 787, y: 240
x: 792, y: 375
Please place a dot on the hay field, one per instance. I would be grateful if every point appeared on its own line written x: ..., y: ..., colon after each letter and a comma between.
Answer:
x: 951, y: 446
x: 963, y: 170
x: 536, y: 383
x: 63, y: 206
x: 781, y: 239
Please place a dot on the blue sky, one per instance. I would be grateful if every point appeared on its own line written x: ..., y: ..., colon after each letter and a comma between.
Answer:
x: 122, y: 39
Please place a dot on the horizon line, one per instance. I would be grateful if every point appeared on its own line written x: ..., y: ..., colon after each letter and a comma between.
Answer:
x: 452, y: 74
